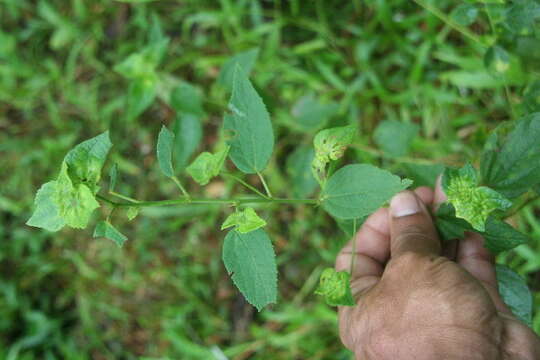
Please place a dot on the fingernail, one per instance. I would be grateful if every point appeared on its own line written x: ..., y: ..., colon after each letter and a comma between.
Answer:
x: 404, y: 204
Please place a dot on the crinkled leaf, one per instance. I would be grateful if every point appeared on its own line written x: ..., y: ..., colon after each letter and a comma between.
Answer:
x: 75, y: 203
x: 395, y: 137
x: 187, y: 138
x: 106, y: 230
x: 245, y: 221
x: 515, y: 293
x: 500, y: 236
x: 251, y: 262
x: 251, y: 135
x: 46, y: 213
x: 511, y: 158
x: 335, y: 287
x: 164, y: 151
x: 187, y: 99
x: 132, y: 212
x: 113, y: 175
x: 449, y: 226
x: 355, y: 191
x: 206, y: 166
x: 311, y: 114
x: 299, y: 171
x: 245, y: 59
x: 472, y: 202
x: 85, y: 161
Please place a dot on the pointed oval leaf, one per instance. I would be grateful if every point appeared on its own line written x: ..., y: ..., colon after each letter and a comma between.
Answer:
x: 355, y: 191
x: 251, y: 134
x: 187, y: 138
x: 164, y: 151
x: 246, y: 60
x: 500, y: 236
x: 515, y: 293
x: 251, y: 262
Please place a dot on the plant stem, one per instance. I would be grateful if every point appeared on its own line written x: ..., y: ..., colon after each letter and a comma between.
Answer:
x: 353, y: 254
x: 177, y: 182
x: 123, y: 197
x: 448, y: 21
x: 231, y: 201
x: 245, y: 184
x: 266, y: 188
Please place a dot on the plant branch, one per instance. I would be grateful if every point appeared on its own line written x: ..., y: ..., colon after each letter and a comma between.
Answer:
x: 230, y: 201
x: 123, y: 197
x: 266, y: 188
x: 448, y: 21
x: 245, y: 184
x: 177, y: 182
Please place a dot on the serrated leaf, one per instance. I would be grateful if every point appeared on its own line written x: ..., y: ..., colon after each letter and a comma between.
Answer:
x: 113, y: 175
x: 251, y: 135
x: 46, y: 213
x: 75, y: 202
x: 164, y: 151
x: 206, y: 166
x: 245, y: 221
x: 355, y: 191
x: 311, y: 114
x: 472, y: 202
x: 132, y: 212
x: 106, y: 230
x: 188, y: 133
x: 515, y: 293
x: 395, y: 137
x: 245, y: 59
x: 299, y: 170
x: 511, y: 158
x: 187, y: 99
x: 251, y: 262
x: 85, y: 161
x: 501, y: 236
x: 335, y: 287
x: 449, y: 226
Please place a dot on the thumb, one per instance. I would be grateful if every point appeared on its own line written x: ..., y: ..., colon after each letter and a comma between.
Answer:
x: 411, y: 226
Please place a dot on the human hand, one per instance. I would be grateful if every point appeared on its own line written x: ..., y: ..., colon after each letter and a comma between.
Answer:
x: 415, y: 303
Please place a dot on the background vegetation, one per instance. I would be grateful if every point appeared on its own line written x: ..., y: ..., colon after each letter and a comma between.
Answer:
x: 166, y: 293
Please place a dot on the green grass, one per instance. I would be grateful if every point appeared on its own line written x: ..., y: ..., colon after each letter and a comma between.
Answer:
x: 166, y: 294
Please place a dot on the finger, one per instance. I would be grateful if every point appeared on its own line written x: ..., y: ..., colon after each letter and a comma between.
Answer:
x: 425, y: 194
x: 439, y: 197
x: 411, y: 227
x: 479, y: 262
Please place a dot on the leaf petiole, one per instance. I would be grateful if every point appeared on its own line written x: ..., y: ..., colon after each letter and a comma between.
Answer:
x: 266, y: 188
x: 242, y: 182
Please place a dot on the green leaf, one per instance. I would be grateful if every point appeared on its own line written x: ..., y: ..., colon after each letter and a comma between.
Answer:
x: 85, y: 161
x: 497, y: 60
x: 140, y: 95
x: 251, y: 262
x: 188, y: 133
x: 355, y: 191
x: 423, y: 174
x: 335, y: 287
x: 465, y: 14
x: 350, y: 226
x: 143, y: 64
x: 46, y: 214
x: 510, y: 161
x: 164, y: 151
x: 310, y: 114
x: 113, y: 175
x: 106, y: 230
x: 75, y: 202
x: 395, y: 137
x: 531, y: 98
x: 187, y: 99
x: 245, y: 59
x: 252, y: 137
x: 299, y: 171
x: 206, y: 166
x: 245, y: 221
x: 132, y: 212
x: 501, y: 236
x: 472, y: 202
x: 330, y: 144
x: 515, y: 293
x: 449, y: 226
x: 520, y: 18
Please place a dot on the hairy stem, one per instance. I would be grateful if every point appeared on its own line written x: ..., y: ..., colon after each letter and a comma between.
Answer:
x: 230, y: 201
